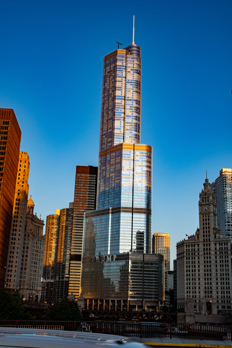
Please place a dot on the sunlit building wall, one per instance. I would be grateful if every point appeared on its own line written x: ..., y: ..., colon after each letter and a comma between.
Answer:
x: 84, y: 200
x: 32, y: 256
x: 161, y: 245
x: 51, y: 239
x: 18, y: 223
x: 222, y: 187
x: 121, y: 225
x: 9, y: 155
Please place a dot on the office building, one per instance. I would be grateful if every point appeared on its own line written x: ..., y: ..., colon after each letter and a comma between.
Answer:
x: 84, y: 200
x: 118, y: 232
x: 49, y: 262
x: 222, y: 188
x: 18, y: 224
x: 32, y: 256
x: 62, y: 272
x: 10, y: 137
x: 56, y: 271
x: 161, y: 245
x: 204, y: 279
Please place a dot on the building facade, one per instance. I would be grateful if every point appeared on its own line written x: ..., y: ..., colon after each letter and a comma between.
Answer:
x: 204, y: 282
x: 49, y: 262
x: 120, y: 229
x: 62, y: 271
x: 222, y: 188
x: 32, y: 256
x: 161, y: 245
x: 9, y: 156
x: 18, y: 224
x: 84, y: 200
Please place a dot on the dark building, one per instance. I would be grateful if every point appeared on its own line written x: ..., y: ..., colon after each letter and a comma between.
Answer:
x: 10, y: 137
x: 63, y: 254
x: 84, y: 200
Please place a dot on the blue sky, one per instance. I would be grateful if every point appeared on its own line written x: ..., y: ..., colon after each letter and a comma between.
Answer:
x: 51, y: 62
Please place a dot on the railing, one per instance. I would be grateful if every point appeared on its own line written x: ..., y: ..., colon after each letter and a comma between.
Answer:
x: 129, y: 328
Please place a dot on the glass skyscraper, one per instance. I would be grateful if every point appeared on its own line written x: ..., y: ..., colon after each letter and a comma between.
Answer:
x: 120, y: 228
x: 222, y: 188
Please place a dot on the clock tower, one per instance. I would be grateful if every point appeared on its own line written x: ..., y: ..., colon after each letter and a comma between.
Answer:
x: 207, y: 212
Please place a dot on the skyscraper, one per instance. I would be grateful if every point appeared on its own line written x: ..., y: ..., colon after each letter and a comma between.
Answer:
x: 32, y: 256
x: 121, y: 225
x: 55, y: 280
x: 51, y: 239
x: 161, y: 245
x: 84, y: 200
x: 222, y: 187
x: 61, y: 282
x: 204, y: 283
x: 18, y: 223
x: 10, y: 136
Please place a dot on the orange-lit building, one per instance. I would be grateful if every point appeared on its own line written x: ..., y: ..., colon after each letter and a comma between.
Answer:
x: 84, y: 200
x: 18, y: 223
x: 161, y: 245
x: 10, y: 137
x: 51, y: 238
x: 55, y: 279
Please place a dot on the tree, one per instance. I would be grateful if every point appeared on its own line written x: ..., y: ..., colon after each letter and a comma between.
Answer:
x: 64, y: 310
x: 11, y: 306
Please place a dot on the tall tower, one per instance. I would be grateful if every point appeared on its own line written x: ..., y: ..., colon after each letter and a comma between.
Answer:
x: 10, y: 136
x: 161, y: 245
x: 51, y: 239
x: 18, y: 223
x: 121, y: 225
x: 222, y: 187
x: 84, y: 200
x: 32, y: 256
x: 203, y: 263
x: 63, y: 254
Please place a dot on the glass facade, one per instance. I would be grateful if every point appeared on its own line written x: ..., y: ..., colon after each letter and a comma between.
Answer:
x: 118, y: 233
x: 222, y: 188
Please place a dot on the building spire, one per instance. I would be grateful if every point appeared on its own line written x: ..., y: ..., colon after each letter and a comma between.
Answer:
x: 133, y: 34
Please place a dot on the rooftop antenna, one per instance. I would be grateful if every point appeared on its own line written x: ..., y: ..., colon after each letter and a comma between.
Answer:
x: 133, y: 34
x: 206, y: 174
x: 119, y: 44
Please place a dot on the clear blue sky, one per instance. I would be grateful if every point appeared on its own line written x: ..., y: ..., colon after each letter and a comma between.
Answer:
x: 51, y: 75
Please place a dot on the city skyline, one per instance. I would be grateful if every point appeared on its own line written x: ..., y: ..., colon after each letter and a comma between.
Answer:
x: 186, y: 96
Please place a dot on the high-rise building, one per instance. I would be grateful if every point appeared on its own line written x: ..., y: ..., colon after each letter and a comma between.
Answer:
x: 161, y: 245
x: 61, y: 279
x: 51, y: 238
x: 222, y: 188
x: 204, y: 274
x: 120, y: 228
x: 84, y: 200
x: 55, y: 281
x: 32, y: 256
x: 18, y: 223
x: 10, y: 137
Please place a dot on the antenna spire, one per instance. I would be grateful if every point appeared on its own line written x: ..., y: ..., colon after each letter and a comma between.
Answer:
x: 133, y: 35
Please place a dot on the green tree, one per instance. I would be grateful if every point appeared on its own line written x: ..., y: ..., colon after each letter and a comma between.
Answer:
x: 64, y: 310
x: 11, y: 306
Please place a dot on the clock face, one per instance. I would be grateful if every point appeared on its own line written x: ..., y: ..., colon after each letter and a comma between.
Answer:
x: 205, y: 209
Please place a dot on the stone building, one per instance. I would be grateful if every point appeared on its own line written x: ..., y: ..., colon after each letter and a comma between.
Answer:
x: 32, y: 256
x: 204, y: 282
